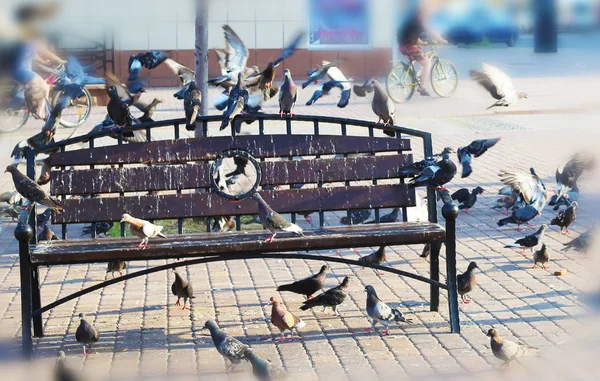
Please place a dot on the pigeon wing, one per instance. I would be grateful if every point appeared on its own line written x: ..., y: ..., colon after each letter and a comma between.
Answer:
x: 237, y: 56
x: 524, y: 183
x: 232, y: 348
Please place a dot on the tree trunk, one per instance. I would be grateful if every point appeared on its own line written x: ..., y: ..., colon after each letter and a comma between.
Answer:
x: 201, y: 69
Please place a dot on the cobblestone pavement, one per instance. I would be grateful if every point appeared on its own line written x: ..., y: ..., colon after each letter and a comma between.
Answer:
x: 144, y: 335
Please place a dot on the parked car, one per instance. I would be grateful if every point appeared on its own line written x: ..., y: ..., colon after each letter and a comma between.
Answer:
x: 482, y: 24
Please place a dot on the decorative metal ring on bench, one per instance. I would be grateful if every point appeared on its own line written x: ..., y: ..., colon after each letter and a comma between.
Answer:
x: 235, y: 174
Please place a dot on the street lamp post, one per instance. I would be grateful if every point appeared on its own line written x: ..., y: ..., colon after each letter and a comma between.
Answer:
x: 201, y: 62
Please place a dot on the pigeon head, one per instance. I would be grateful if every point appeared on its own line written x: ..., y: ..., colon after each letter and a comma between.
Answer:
x: 478, y: 190
x: 447, y: 151
x: 125, y: 217
x: 257, y: 197
x: 370, y: 290
x: 287, y: 73
x: 61, y: 356
x: 249, y: 354
x: 81, y: 316
x: 543, y: 227
x: 523, y: 95
x: 472, y: 266
x: 211, y: 325
x: 345, y: 282
x: 492, y: 333
x: 112, y: 92
x: 574, y: 205
x: 274, y: 301
x: 324, y: 269
x: 11, y: 169
x: 543, y: 248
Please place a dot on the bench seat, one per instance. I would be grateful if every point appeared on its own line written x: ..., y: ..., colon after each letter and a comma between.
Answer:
x: 206, y: 244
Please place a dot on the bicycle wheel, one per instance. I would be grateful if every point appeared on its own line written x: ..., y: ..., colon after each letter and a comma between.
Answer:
x: 77, y: 111
x: 13, y: 119
x: 444, y: 78
x: 400, y: 83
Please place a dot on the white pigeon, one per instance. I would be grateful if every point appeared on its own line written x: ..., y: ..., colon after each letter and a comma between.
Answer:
x: 498, y: 84
x: 506, y: 350
x: 142, y: 229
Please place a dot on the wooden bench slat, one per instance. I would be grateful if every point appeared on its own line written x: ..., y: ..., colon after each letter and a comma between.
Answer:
x: 192, y: 176
x: 204, y: 244
x: 157, y: 207
x: 201, y: 149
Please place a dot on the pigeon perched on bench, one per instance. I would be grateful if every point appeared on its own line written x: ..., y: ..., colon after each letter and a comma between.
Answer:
x: 288, y: 94
x: 264, y: 370
x: 307, y: 286
x: 283, y: 319
x: 181, y: 288
x: 86, y: 334
x: 142, y: 229
x: 435, y: 174
x: 565, y: 218
x: 530, y: 241
x: 506, y: 350
x: 192, y: 101
x: 330, y: 298
x: 466, y: 282
x: 229, y: 347
x: 379, y: 312
x: 31, y: 191
x: 273, y: 221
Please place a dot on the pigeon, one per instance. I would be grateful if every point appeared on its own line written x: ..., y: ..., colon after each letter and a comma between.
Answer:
x: 319, y: 73
x: 31, y: 191
x: 581, y: 243
x: 235, y: 103
x: 499, y: 85
x: 529, y: 186
x: 264, y: 370
x: 418, y: 166
x: 379, y: 312
x: 62, y: 372
x: 12, y: 198
x: 264, y: 79
x: 475, y: 149
x: 117, y: 108
x: 44, y: 137
x: 288, y: 94
x: 466, y: 200
x: 116, y: 266
x: 307, y: 286
x: 508, y: 351
x: 150, y: 60
x: 232, y: 60
x: 568, y: 173
x: 520, y: 216
x: 387, y: 218
x: 102, y: 229
x: 223, y: 224
x: 11, y: 212
x: 142, y: 229
x: 44, y: 177
x: 507, y: 202
x: 375, y: 258
x: 466, y: 282
x: 185, y: 75
x: 284, y: 319
x: 192, y: 101
x: 357, y: 217
x: 86, y: 334
x: 566, y: 200
x: 181, y: 288
x: 530, y: 241
x: 541, y: 256
x: 565, y: 218
x: 323, y: 90
x: 44, y: 218
x: 240, y: 166
x: 131, y: 96
x: 273, y: 221
x: 47, y: 234
x: 229, y: 347
x: 330, y: 298
x: 435, y: 174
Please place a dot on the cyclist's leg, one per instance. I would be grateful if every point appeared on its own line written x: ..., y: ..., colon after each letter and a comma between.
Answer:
x: 425, y: 73
x: 40, y: 108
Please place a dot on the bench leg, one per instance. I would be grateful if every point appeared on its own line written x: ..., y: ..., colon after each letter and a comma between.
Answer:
x: 452, y: 291
x: 434, y: 274
x: 25, y: 272
x: 36, y: 303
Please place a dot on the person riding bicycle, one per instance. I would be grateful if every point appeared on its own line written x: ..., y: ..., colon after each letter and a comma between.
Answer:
x: 29, y: 48
x: 409, y: 42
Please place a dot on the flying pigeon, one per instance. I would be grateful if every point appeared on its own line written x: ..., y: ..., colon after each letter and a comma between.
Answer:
x: 116, y: 266
x: 284, y: 319
x: 475, y: 149
x: 42, y: 138
x: 131, y: 96
x: 142, y: 229
x: 229, y: 347
x: 323, y: 90
x: 330, y: 298
x: 436, y: 174
x: 307, y: 286
x: 47, y: 234
x: 375, y: 258
x: 31, y: 191
x: 530, y: 241
x: 541, y: 256
x: 320, y: 72
x: 62, y: 372
x: 232, y: 60
x: 529, y: 186
x: 288, y: 94
x: 181, y: 288
x: 273, y: 221
x: 506, y: 350
x: 357, y: 217
x: 466, y: 200
x: 499, y: 85
x: 102, y: 229
x: 568, y: 173
x: 379, y: 312
x: 86, y: 334
x: 264, y: 370
x: 466, y: 282
x: 583, y: 242
x: 565, y: 218
x: 387, y: 218
x: 192, y: 101
x: 185, y: 74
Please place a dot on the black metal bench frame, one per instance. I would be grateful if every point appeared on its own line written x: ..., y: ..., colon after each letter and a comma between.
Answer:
x: 32, y: 308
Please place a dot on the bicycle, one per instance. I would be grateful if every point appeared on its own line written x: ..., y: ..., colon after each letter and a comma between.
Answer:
x: 402, y: 80
x: 14, y: 113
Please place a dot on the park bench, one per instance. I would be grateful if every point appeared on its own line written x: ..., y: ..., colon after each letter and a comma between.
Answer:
x: 346, y: 165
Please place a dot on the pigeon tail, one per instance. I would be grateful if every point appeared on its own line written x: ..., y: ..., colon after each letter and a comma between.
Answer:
x: 300, y: 324
x: 505, y: 221
x: 398, y: 317
x: 467, y: 170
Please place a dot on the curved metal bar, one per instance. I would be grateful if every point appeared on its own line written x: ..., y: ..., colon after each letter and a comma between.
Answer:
x: 216, y: 118
x: 228, y: 258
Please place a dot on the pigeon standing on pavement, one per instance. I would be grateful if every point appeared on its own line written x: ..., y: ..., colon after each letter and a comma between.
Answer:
x: 86, y: 334
x: 568, y: 173
x: 506, y: 350
x: 273, y: 221
x: 284, y: 319
x: 192, y: 101
x: 541, y: 256
x: 307, y: 286
x: 116, y: 266
x: 387, y: 218
x: 475, y: 149
x: 466, y: 200
x: 530, y: 241
x: 499, y: 85
x: 357, y: 217
x: 375, y: 258
x: 264, y: 370
x: 62, y: 372
x: 565, y: 218
x: 142, y: 229
x: 102, y: 228
x: 181, y: 288
x: 520, y: 216
x: 229, y: 347
x: 47, y: 234
x: 31, y: 191
x: 330, y: 298
x: 379, y: 312
x: 466, y: 282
